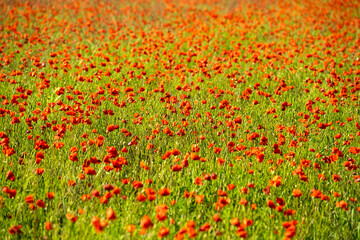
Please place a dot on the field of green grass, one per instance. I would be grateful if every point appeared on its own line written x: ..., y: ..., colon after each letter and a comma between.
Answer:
x: 179, y: 119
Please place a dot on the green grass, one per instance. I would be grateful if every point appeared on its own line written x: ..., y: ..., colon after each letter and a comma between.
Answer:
x: 288, y: 52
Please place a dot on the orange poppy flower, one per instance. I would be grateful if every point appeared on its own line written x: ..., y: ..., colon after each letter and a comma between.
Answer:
x: 50, y: 195
x: 141, y: 197
x: 10, y: 192
x: 199, y: 198
x: 235, y: 221
x: 137, y: 184
x: 176, y: 168
x: 10, y: 176
x: 217, y: 218
x: 71, y: 217
x: 163, y: 232
x: 241, y: 233
x: 29, y: 199
x: 217, y: 150
x: 204, y: 228
x: 164, y: 192
x: 194, y: 156
x: 48, y: 226
x: 146, y: 222
x: 89, y: 171
x: 297, y: 193
x: 276, y: 181
x: 130, y: 228
x: 110, y: 214
x: 243, y: 202
x: 96, y: 223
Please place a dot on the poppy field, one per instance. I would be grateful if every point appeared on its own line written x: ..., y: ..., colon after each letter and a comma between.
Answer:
x: 170, y: 119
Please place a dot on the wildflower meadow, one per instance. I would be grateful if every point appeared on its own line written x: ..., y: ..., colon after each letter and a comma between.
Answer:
x: 166, y: 119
